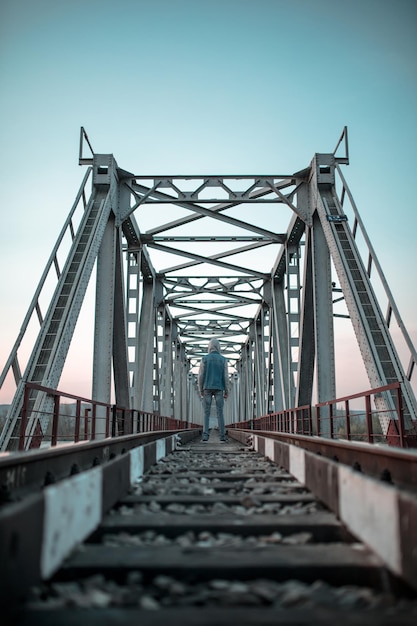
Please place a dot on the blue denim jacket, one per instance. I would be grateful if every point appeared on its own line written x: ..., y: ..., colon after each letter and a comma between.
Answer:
x: 213, y: 372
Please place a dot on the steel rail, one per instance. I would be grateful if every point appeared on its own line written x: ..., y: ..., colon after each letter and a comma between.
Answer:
x: 391, y: 465
x: 26, y: 472
x: 25, y: 557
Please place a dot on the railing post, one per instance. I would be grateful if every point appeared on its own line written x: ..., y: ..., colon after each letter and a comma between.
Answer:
x: 24, y: 418
x: 93, y: 421
x: 318, y: 420
x: 400, y: 417
x: 113, y: 421
x: 129, y: 422
x: 331, y: 421
x: 122, y: 422
x: 107, y: 421
x: 77, y: 421
x: 55, y: 420
x: 347, y: 412
x: 369, y: 418
x: 86, y: 436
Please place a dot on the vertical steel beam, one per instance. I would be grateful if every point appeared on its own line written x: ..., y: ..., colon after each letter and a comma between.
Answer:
x: 293, y: 316
x: 104, y: 317
x: 185, y: 367
x: 250, y: 399
x: 283, y: 382
x: 180, y: 387
x: 259, y: 364
x: 269, y: 346
x: 245, y: 389
x: 323, y: 315
x: 234, y: 398
x: 145, y: 350
x: 133, y: 308
x: 191, y: 403
x: 241, y: 392
x: 306, y: 360
x: 120, y: 338
x: 190, y: 397
x: 166, y: 389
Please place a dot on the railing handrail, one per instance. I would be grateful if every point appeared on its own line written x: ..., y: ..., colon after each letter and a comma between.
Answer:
x: 361, y: 394
x: 145, y: 421
x: 297, y: 420
x: 287, y: 421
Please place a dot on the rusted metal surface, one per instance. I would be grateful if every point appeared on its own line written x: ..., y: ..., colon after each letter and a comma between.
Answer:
x: 27, y: 471
x: 382, y: 462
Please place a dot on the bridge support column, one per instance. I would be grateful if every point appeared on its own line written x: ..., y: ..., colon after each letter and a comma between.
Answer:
x: 180, y: 383
x: 166, y: 388
x: 246, y: 386
x: 323, y: 317
x: 120, y: 341
x: 282, y: 378
x: 307, y: 344
x: 144, y: 372
x: 104, y: 320
x: 260, y: 364
x: 194, y: 403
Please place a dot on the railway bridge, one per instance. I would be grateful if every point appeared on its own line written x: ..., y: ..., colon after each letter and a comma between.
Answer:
x: 179, y: 259
x: 275, y: 266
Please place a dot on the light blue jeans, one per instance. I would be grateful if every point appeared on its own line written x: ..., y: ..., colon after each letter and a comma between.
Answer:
x: 207, y: 399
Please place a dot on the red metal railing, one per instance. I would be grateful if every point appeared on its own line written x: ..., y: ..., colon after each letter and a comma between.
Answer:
x: 336, y: 419
x: 73, y: 419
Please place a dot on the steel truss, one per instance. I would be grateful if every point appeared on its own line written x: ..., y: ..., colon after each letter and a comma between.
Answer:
x: 202, y: 263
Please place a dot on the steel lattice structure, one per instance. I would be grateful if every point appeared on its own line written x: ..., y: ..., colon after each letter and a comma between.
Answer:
x: 204, y: 263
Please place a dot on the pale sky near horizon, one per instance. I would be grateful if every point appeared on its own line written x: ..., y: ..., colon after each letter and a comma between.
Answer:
x: 216, y: 86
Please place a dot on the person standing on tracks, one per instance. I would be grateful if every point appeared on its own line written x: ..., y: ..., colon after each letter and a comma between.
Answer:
x: 213, y: 382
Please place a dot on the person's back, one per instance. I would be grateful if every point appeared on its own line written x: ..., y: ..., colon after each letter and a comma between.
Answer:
x: 213, y: 382
x: 214, y: 365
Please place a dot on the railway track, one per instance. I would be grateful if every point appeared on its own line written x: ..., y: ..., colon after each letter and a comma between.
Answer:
x: 218, y: 532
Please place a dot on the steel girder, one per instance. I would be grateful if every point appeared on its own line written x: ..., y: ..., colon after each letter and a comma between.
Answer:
x: 323, y: 314
x: 104, y: 317
x: 120, y: 332
x: 166, y: 357
x: 145, y: 362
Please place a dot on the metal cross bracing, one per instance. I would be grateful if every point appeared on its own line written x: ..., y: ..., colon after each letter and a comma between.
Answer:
x: 183, y: 258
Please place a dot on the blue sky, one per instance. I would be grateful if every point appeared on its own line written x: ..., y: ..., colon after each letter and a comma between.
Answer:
x: 195, y: 86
